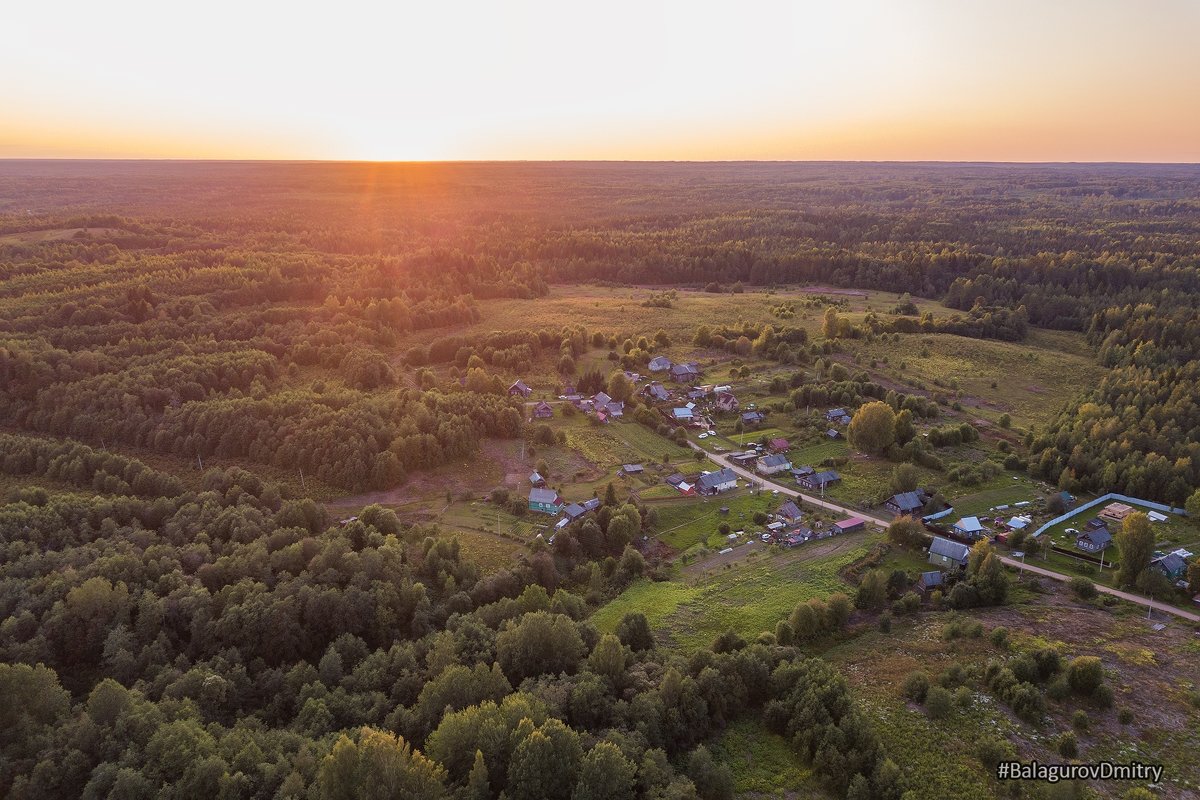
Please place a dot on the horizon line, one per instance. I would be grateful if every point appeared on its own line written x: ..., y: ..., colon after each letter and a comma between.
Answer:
x: 201, y: 160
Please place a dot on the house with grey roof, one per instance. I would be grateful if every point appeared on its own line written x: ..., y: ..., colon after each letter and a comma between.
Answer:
x: 714, y: 482
x: 947, y: 553
x: 906, y: 503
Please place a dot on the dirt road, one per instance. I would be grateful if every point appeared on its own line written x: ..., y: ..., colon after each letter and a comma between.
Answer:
x: 1132, y: 598
x: 770, y: 484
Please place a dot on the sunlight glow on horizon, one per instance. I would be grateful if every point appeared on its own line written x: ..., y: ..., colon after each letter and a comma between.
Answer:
x: 997, y: 80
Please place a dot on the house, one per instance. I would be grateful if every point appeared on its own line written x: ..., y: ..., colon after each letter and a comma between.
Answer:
x: 1095, y: 524
x: 683, y: 415
x: 1093, y: 541
x: 600, y: 400
x: 685, y: 373
x: 656, y: 391
x: 819, y: 480
x: 744, y: 459
x: 573, y: 512
x: 591, y: 504
x: 1019, y: 523
x: 676, y: 479
x: 545, y: 501
x: 946, y: 553
x: 686, y: 488
x: 537, y: 480
x: 519, y: 388
x: 778, y: 445
x: 906, y: 503
x: 969, y: 527
x: 660, y: 364
x: 1171, y: 565
x: 725, y: 401
x: 543, y: 410
x: 615, y: 409
x: 832, y: 433
x: 696, y: 395
x: 714, y: 482
x: 838, y: 416
x: 632, y: 469
x: 850, y: 525
x: 777, y: 462
x: 930, y: 580
x: 752, y: 418
x: 790, y: 512
x: 1116, y: 512
x: 800, y: 472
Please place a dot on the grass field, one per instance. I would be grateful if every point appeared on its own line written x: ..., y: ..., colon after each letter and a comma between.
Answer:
x: 684, y: 523
x: 749, y: 597
x: 479, y: 516
x: 489, y: 551
x: 764, y: 764
x: 1029, y: 380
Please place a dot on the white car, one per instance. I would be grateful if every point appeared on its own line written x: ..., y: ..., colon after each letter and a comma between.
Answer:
x: 766, y: 537
x: 1071, y: 532
x: 712, y: 433
x: 702, y: 436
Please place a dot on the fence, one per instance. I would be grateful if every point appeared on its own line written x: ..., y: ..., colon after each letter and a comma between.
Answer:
x: 1110, y: 496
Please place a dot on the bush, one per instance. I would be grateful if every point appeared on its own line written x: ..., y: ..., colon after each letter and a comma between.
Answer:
x: 1068, y: 746
x: 1058, y: 688
x: 1083, y: 588
x: 999, y: 637
x: 1085, y: 674
x: 954, y: 675
x: 991, y: 751
x: 938, y: 702
x: 1103, y: 696
x: 916, y: 686
x: 885, y: 622
x: 963, y: 697
x: 1125, y: 716
x: 1080, y: 721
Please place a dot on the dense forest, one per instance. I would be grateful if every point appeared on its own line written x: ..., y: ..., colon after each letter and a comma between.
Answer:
x: 217, y: 635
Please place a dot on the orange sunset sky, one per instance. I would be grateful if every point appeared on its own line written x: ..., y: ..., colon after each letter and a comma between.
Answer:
x: 1002, y: 80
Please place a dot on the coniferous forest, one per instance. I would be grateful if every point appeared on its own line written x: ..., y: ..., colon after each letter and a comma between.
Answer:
x: 171, y: 629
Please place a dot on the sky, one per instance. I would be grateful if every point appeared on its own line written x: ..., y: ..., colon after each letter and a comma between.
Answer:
x: 980, y: 80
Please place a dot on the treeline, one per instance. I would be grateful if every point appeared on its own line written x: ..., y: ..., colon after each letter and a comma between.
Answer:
x: 1138, y: 432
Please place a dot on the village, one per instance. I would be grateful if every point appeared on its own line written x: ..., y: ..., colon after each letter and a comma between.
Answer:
x: 739, y: 449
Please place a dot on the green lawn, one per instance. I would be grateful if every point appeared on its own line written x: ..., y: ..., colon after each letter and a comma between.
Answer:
x: 982, y: 501
x: 813, y: 454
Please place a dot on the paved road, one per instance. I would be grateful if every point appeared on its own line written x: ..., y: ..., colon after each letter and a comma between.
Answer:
x: 1133, y: 598
x: 768, y: 483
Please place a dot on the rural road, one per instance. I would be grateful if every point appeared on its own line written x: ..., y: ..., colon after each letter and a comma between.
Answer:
x: 1132, y: 598
x: 767, y: 482
x: 1058, y: 576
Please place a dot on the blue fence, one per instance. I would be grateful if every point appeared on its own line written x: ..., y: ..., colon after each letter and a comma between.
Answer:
x: 1110, y: 496
x: 938, y: 515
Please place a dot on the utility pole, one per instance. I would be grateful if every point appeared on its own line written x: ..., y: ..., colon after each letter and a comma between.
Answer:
x: 303, y: 487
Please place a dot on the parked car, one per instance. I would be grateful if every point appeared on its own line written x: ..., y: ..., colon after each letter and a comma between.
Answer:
x: 766, y: 537
x: 712, y: 433
x: 1071, y: 532
x: 702, y: 436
